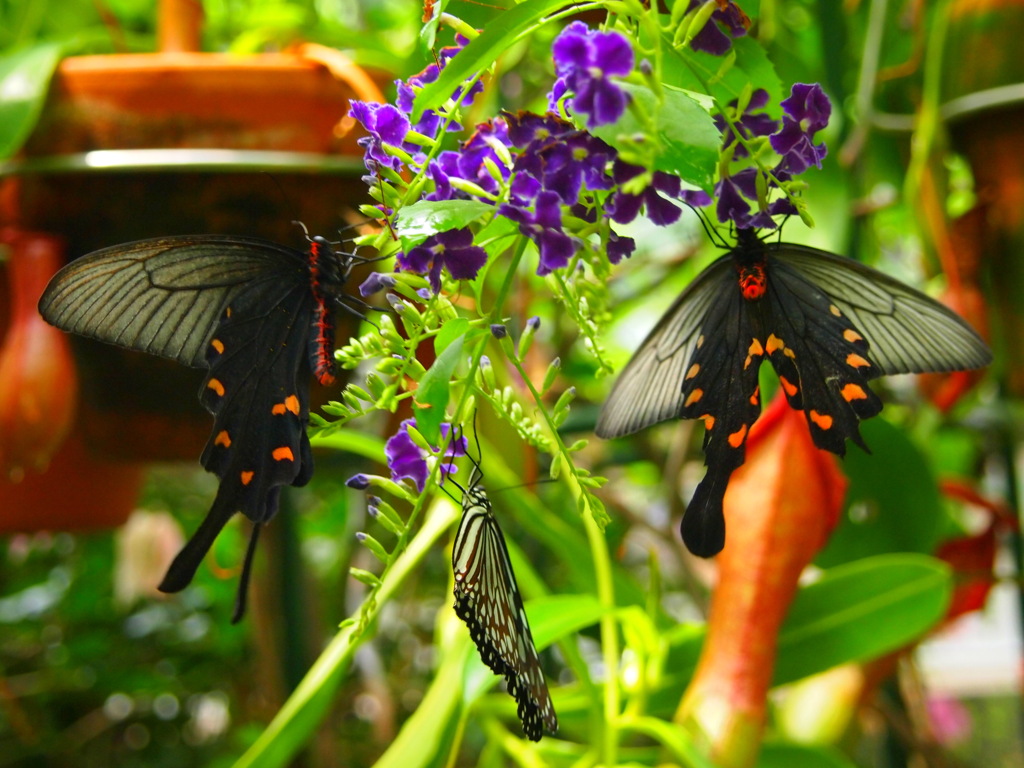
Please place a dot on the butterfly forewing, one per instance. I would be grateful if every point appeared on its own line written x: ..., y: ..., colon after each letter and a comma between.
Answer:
x: 648, y: 390
x: 487, y: 598
x: 907, y: 331
x: 162, y: 296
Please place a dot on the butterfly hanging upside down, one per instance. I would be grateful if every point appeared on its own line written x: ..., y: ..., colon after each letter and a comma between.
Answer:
x: 487, y: 599
x: 828, y: 325
x: 259, y: 316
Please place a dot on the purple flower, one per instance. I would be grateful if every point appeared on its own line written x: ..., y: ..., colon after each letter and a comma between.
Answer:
x: 407, y: 460
x: 498, y: 331
x: 584, y: 60
x: 807, y: 112
x: 711, y: 39
x: 385, y: 125
x: 623, y: 207
x: 619, y: 247
x: 544, y: 226
x: 452, y: 250
x: 376, y: 282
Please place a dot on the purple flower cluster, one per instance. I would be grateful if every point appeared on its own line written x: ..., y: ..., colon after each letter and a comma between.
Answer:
x: 584, y: 62
x: 806, y: 112
x: 407, y: 460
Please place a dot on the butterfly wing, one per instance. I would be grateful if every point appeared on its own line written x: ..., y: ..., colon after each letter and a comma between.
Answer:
x: 907, y: 331
x: 241, y: 307
x: 649, y: 389
x: 258, y: 390
x: 162, y: 296
x: 487, y: 598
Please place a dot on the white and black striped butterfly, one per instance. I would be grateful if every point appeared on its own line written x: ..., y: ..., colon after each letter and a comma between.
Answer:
x: 487, y: 598
x: 827, y: 323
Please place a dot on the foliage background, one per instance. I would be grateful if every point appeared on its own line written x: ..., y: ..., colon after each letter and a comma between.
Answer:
x: 171, y: 683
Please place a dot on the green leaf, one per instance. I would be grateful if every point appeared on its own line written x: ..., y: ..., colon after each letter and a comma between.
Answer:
x: 694, y: 69
x: 860, y: 611
x: 686, y: 134
x: 420, y: 220
x: 432, y: 394
x: 449, y: 332
x: 782, y: 755
x: 893, y: 503
x: 856, y: 612
x: 496, y: 38
x: 24, y: 80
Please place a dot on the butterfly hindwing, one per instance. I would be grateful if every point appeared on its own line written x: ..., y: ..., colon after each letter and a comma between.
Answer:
x: 487, y: 599
x: 823, y: 362
x: 720, y: 386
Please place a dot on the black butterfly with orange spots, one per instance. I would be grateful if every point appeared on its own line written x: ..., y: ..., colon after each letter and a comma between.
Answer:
x: 828, y: 325
x: 259, y: 316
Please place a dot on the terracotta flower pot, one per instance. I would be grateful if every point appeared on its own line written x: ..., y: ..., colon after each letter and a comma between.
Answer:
x: 136, y: 146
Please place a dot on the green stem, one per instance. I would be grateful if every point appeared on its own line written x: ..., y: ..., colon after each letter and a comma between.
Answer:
x: 602, y: 578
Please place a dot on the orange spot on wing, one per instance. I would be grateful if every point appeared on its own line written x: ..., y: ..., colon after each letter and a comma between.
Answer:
x: 277, y: 409
x: 292, y: 404
x: 694, y: 397
x: 834, y: 310
x: 700, y: 341
x: 853, y: 392
x: 823, y: 420
x: 218, y: 345
x: 856, y: 361
x: 246, y: 477
x: 694, y: 370
x: 755, y: 348
x: 283, y: 453
x: 774, y: 344
x: 216, y: 386
x: 709, y: 421
x: 736, y: 438
x: 788, y: 352
x: 223, y: 438
x: 852, y: 336
x: 756, y: 397
x: 790, y: 387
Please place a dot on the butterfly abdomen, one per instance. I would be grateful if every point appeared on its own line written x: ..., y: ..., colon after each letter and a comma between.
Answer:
x: 321, y: 342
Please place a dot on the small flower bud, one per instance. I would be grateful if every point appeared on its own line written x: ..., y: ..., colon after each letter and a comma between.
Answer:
x: 376, y: 282
x: 499, y: 331
x: 360, y: 482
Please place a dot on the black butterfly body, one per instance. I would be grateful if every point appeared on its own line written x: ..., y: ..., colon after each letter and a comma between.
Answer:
x: 487, y: 599
x: 258, y: 315
x: 828, y: 325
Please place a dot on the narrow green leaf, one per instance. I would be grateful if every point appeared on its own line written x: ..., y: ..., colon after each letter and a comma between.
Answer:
x: 24, y: 81
x: 450, y: 331
x: 496, y: 38
x: 432, y: 394
x: 782, y: 755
